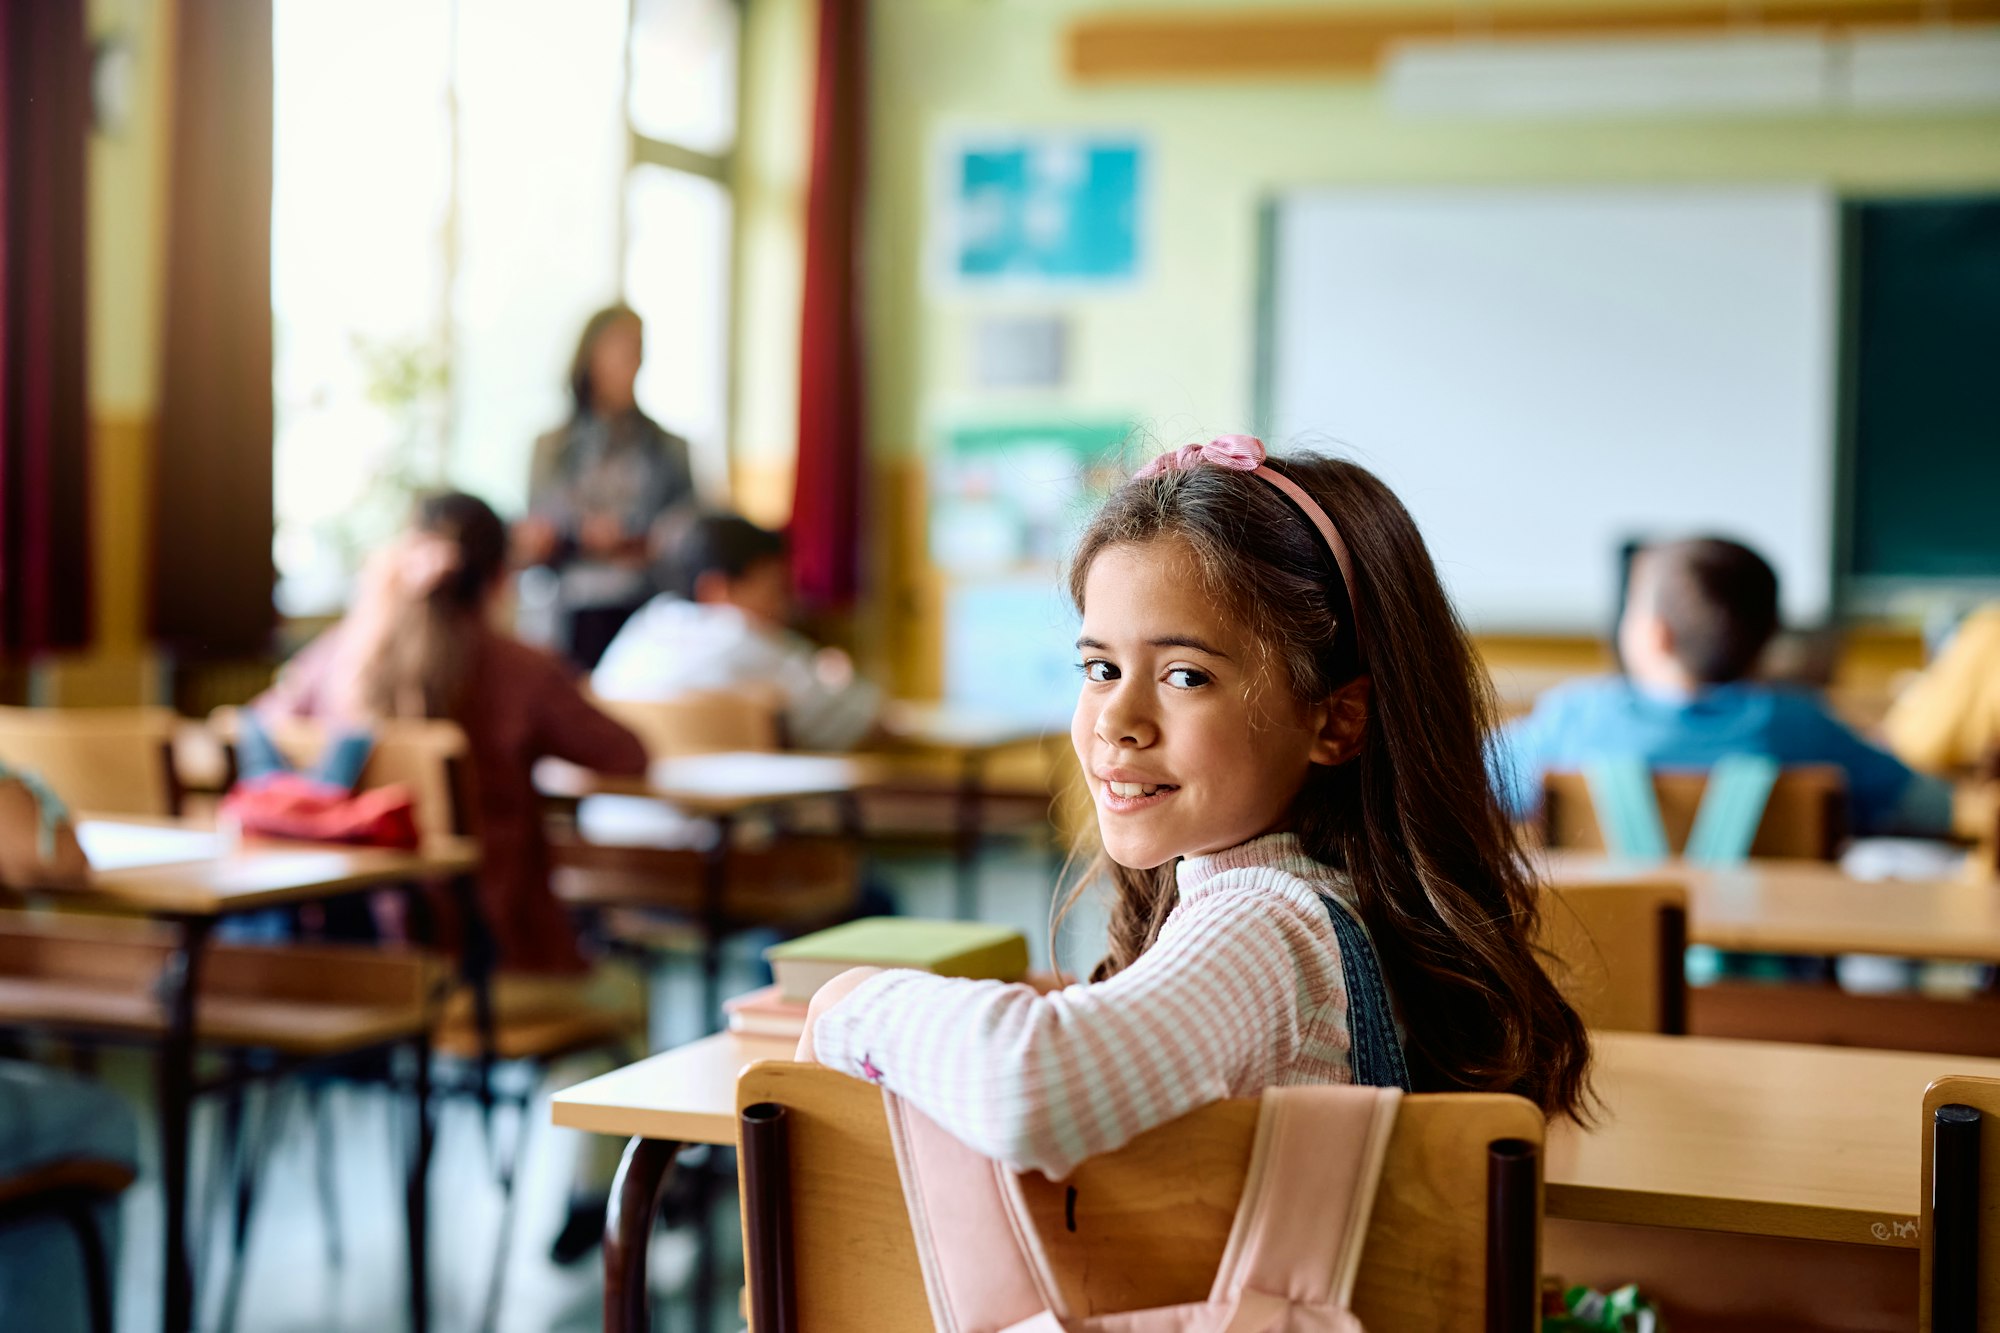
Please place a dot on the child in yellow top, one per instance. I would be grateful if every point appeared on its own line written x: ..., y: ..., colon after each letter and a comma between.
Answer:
x: 1950, y: 718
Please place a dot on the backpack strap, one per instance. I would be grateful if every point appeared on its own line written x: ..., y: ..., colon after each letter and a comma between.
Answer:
x: 1307, y: 1199
x: 1375, y: 1052
x: 1732, y: 807
x: 969, y: 1242
x: 1628, y: 809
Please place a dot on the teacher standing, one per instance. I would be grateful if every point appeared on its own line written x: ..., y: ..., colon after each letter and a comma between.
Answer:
x: 600, y: 487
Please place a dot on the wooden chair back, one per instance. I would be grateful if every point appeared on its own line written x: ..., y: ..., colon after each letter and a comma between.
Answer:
x: 797, y: 880
x: 1959, y: 1214
x: 429, y: 756
x: 1618, y: 953
x: 101, y: 973
x: 112, y: 761
x: 1148, y: 1222
x: 1806, y: 816
x: 701, y: 721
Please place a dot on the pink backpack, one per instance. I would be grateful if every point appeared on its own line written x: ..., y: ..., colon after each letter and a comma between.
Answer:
x: 1289, y: 1266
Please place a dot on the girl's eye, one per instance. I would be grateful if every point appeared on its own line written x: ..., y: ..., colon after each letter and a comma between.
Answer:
x: 1097, y: 669
x: 1187, y: 678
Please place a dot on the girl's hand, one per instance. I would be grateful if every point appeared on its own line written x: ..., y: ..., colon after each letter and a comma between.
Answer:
x: 825, y: 998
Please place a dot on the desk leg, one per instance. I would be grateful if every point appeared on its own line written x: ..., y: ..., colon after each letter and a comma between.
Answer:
x: 477, y: 965
x: 714, y: 887
x: 636, y: 1192
x: 178, y: 984
x: 965, y: 837
x: 416, y: 1190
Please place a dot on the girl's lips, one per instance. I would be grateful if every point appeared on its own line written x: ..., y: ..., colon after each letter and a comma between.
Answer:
x: 1125, y: 805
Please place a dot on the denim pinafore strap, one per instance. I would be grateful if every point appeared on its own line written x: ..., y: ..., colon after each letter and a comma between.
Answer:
x: 1376, y: 1052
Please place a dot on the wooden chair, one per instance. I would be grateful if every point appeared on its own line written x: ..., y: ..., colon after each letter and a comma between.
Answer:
x: 1618, y: 952
x: 73, y: 1190
x: 494, y: 1017
x: 270, y: 1009
x: 702, y: 721
x: 656, y: 900
x: 1959, y: 1214
x: 428, y: 756
x: 104, y: 760
x: 69, y: 1149
x: 1453, y: 1242
x: 1806, y: 815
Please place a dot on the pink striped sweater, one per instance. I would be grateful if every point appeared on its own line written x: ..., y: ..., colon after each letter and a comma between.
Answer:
x: 1242, y: 991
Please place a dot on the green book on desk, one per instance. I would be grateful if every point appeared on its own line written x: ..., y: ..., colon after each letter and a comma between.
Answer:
x: 946, y: 948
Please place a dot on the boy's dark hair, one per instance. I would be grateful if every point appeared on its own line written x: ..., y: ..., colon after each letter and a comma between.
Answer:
x: 1719, y: 601
x: 726, y: 544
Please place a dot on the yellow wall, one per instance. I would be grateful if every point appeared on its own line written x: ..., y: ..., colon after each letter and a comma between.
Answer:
x: 1176, y: 350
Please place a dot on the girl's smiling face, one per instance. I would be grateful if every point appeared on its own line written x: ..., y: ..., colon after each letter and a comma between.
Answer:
x: 1188, y: 738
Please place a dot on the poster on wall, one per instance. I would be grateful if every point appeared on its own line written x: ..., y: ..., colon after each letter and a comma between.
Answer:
x: 1007, y: 501
x: 1039, y: 210
x: 1010, y: 497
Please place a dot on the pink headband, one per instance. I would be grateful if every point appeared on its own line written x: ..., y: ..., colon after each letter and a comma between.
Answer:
x: 1245, y: 453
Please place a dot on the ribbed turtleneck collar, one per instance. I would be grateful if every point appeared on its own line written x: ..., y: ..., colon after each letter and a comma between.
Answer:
x: 1274, y: 851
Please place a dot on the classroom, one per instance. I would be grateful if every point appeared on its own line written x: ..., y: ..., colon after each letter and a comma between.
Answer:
x: 882, y: 665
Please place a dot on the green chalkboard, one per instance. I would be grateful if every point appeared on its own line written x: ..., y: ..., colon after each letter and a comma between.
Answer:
x: 1924, y: 386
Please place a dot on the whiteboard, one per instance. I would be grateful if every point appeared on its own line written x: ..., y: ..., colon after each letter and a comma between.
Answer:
x: 1543, y: 373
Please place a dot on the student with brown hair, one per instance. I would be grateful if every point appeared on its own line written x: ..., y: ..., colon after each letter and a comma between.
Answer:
x: 1698, y: 616
x: 1279, y: 720
x: 419, y: 641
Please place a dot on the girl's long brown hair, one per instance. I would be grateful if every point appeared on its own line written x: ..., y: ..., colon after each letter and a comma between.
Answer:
x: 426, y: 662
x: 1437, y: 869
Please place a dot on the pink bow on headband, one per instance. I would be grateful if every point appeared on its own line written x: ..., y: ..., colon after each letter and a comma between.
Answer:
x: 1238, y: 453
x: 1245, y: 453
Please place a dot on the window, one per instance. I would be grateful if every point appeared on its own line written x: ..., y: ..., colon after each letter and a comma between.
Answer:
x: 457, y: 187
x: 679, y: 216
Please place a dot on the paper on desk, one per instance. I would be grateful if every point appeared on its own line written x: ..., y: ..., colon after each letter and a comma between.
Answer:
x: 114, y: 846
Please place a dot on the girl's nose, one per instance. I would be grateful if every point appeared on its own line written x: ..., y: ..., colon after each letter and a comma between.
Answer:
x: 1126, y: 724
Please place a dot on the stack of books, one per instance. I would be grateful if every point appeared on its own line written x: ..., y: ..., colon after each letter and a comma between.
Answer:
x: 802, y: 966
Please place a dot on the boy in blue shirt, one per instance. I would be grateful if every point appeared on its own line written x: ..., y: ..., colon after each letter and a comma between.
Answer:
x: 1698, y: 614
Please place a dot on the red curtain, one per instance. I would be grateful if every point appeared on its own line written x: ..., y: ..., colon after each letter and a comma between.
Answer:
x: 826, y: 495
x: 213, y: 572
x: 44, y: 450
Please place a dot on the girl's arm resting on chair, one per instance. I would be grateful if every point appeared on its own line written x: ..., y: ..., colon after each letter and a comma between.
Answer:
x: 1218, y: 1006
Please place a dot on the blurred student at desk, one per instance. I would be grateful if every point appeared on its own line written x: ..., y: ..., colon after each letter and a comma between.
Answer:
x: 727, y: 628
x: 1697, y: 618
x: 1949, y: 718
x: 419, y: 642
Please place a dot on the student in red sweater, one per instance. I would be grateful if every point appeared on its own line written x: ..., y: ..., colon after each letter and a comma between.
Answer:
x: 420, y: 641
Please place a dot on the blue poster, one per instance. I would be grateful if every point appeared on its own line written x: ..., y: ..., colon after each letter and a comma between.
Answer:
x: 1055, y: 209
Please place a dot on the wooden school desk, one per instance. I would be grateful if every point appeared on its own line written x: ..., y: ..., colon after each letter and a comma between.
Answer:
x: 721, y: 787
x: 191, y: 879
x: 1812, y: 907
x: 1759, y: 1139
x: 968, y: 740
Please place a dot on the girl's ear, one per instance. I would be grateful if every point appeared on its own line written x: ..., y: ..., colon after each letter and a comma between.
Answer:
x: 1342, y: 719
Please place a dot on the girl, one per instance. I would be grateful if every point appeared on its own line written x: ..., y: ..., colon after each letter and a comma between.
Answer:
x: 419, y: 641
x: 1280, y: 726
